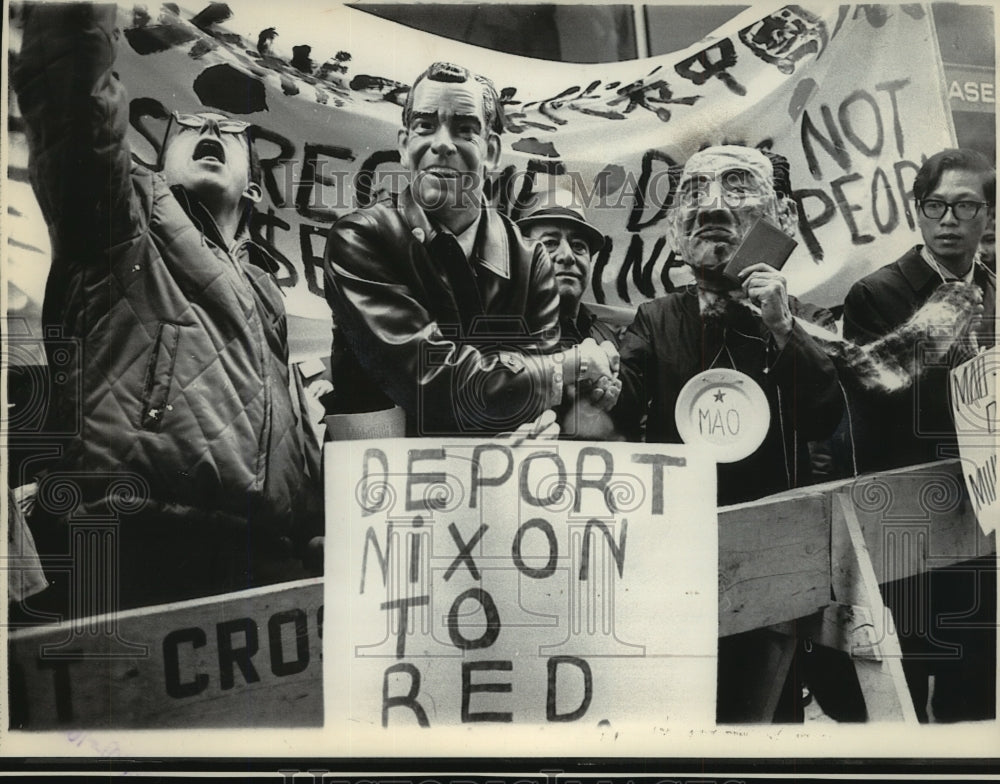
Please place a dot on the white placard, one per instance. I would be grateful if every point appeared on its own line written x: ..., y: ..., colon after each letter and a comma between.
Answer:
x: 974, y: 406
x: 475, y: 583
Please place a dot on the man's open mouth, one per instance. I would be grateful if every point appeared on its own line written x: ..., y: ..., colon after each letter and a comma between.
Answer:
x: 209, y: 149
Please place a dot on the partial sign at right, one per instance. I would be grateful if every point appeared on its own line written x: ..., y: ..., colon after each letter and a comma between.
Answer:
x: 974, y: 401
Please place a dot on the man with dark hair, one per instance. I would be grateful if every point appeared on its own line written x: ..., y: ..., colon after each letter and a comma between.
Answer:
x: 457, y: 74
x: 189, y: 439
x: 951, y: 633
x: 955, y: 194
x: 439, y: 305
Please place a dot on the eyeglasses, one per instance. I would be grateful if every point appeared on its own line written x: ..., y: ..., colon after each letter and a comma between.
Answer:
x: 196, y: 122
x: 935, y: 209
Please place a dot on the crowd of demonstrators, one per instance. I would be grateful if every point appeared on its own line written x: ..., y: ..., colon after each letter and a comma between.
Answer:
x: 444, y: 307
x: 189, y: 438
x: 441, y: 307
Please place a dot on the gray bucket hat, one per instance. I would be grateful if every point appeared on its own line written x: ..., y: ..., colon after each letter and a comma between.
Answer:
x: 557, y: 205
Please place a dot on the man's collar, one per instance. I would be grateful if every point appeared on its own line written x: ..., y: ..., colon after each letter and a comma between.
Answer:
x: 467, y: 238
x: 584, y: 318
x: 491, y: 248
x: 917, y: 272
x: 202, y: 219
x: 943, y: 272
x: 198, y: 213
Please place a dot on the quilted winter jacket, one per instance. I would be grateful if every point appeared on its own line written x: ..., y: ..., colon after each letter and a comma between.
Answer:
x: 178, y: 382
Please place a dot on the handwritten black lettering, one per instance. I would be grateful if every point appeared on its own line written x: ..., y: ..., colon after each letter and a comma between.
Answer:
x: 469, y: 688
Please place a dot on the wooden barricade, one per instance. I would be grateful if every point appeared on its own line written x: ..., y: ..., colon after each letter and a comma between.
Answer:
x: 244, y: 659
x: 803, y: 563
x: 872, y: 530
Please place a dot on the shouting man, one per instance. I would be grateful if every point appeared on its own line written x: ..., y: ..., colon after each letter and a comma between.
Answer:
x: 188, y: 436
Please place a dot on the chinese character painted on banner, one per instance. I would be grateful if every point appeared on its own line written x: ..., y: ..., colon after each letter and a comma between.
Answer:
x: 785, y: 37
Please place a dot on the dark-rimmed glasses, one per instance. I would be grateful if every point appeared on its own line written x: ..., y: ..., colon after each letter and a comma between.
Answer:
x: 935, y: 209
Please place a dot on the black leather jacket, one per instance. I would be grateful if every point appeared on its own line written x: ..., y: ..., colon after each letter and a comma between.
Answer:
x: 404, y: 332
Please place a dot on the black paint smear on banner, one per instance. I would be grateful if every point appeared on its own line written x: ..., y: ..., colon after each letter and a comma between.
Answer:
x: 533, y: 146
x: 301, y: 61
x: 200, y: 49
x: 804, y: 90
x: 157, y: 38
x: 547, y: 166
x: 610, y: 179
x: 265, y: 39
x: 392, y: 91
x: 596, y: 284
x: 223, y: 87
x: 211, y: 14
x: 598, y: 113
x: 874, y: 13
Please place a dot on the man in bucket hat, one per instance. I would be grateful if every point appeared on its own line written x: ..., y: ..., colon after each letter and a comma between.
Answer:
x: 555, y: 219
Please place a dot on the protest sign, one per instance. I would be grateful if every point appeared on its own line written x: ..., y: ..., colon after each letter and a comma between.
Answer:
x: 974, y: 406
x: 244, y: 659
x: 853, y: 96
x: 536, y: 585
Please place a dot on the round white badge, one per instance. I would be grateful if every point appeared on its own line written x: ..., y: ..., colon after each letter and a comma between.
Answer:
x: 726, y: 411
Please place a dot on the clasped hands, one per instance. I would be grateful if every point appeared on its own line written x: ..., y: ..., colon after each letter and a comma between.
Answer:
x: 589, y: 373
x: 592, y: 373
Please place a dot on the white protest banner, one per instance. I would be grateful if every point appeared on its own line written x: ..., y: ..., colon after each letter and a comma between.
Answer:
x: 544, y: 584
x: 974, y: 406
x: 245, y: 659
x: 852, y: 95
